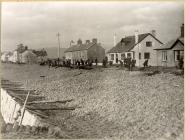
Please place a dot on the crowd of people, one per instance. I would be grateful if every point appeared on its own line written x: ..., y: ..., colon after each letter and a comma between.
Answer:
x: 70, y: 63
x: 80, y: 63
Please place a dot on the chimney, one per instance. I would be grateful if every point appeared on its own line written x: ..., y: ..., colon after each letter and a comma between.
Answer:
x: 114, y: 39
x: 94, y: 40
x: 79, y: 42
x: 153, y: 32
x: 136, y: 36
x: 182, y: 30
x: 122, y: 42
x: 87, y: 41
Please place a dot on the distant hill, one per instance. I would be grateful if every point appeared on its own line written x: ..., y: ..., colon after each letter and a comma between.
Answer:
x: 53, y: 52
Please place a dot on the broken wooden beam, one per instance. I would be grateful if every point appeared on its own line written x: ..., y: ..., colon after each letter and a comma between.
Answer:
x: 45, y: 102
x: 56, y: 108
x: 38, y: 113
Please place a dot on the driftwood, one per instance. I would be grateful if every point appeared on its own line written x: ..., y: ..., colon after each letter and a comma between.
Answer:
x: 38, y: 113
x: 54, y: 108
x: 45, y: 102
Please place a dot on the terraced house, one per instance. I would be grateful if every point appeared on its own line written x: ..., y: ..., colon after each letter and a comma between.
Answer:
x: 139, y: 47
x: 88, y: 50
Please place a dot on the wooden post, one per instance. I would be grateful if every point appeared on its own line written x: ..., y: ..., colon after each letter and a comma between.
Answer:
x: 58, y: 45
x: 23, y: 111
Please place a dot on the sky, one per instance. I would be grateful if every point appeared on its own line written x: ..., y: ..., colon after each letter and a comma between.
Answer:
x: 36, y: 24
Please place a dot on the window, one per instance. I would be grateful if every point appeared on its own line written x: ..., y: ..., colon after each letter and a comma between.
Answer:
x: 122, y: 56
x: 146, y: 55
x: 139, y: 55
x: 112, y: 56
x: 164, y: 55
x: 177, y: 55
x: 128, y: 55
x: 149, y: 44
x: 116, y: 55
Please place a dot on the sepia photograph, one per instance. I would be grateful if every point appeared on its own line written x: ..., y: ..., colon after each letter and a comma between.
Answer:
x: 92, y: 70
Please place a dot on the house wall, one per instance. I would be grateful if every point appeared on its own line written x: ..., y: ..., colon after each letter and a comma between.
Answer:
x: 171, y: 62
x: 119, y: 57
x: 141, y: 48
x: 96, y: 51
x: 28, y: 57
x: 77, y: 55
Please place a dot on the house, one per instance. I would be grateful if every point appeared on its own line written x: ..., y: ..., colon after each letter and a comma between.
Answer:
x: 139, y: 47
x: 17, y: 54
x: 5, y: 56
x: 41, y: 55
x: 88, y: 50
x: 170, y: 53
x: 15, y: 57
x: 28, y: 57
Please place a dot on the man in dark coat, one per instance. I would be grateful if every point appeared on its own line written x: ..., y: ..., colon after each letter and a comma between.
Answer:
x: 96, y: 61
x: 145, y: 64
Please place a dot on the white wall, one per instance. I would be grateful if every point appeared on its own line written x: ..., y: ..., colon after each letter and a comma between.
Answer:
x: 170, y: 62
x: 9, y: 107
x: 141, y: 47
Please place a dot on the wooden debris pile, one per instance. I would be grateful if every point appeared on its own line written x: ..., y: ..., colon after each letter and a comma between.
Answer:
x: 36, y: 103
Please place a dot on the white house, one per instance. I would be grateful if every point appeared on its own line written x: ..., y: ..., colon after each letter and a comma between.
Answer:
x: 5, y: 56
x: 15, y: 58
x: 139, y: 47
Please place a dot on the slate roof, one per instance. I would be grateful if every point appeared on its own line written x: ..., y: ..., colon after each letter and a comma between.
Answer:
x: 80, y: 47
x: 129, y: 43
x: 171, y: 44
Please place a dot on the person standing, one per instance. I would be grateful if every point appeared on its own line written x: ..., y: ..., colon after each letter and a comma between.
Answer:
x: 96, y: 61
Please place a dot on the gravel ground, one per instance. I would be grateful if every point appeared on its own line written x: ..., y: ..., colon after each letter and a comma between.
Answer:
x: 114, y: 103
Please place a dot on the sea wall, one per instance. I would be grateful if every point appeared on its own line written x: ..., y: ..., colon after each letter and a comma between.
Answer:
x: 9, y: 108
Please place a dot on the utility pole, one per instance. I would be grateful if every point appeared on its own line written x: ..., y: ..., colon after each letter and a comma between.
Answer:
x: 58, y: 45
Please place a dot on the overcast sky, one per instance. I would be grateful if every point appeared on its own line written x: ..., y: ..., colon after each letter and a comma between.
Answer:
x: 36, y: 24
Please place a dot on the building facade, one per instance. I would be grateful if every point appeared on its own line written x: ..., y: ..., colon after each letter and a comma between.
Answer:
x: 88, y: 50
x: 170, y: 53
x: 139, y: 47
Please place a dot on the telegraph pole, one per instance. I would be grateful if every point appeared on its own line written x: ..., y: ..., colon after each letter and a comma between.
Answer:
x: 58, y: 45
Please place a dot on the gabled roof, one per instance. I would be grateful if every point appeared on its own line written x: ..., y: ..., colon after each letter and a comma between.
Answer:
x: 80, y: 47
x: 129, y: 43
x: 169, y: 45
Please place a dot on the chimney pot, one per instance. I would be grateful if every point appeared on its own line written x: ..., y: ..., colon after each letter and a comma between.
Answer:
x: 136, y: 36
x: 153, y: 32
x: 94, y: 40
x: 87, y: 41
x: 114, y: 39
x: 182, y: 30
x: 79, y: 42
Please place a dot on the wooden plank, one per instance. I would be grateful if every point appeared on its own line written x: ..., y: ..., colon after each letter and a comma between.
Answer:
x: 43, y: 102
x: 57, y: 108
x: 37, y: 113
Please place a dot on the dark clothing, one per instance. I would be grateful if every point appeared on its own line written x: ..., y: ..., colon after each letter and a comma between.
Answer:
x: 145, y: 64
x: 96, y: 61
